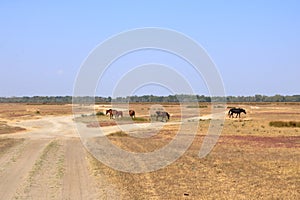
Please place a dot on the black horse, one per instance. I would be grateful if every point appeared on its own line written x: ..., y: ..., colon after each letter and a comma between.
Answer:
x: 113, y: 113
x: 163, y: 115
x: 237, y: 111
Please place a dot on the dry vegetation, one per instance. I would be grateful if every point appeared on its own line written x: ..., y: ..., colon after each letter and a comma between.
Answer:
x: 5, y: 128
x: 252, y: 160
x: 12, y: 112
x: 20, y: 111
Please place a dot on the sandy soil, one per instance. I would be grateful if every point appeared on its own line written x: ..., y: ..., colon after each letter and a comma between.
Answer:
x: 250, y: 161
x: 51, y: 163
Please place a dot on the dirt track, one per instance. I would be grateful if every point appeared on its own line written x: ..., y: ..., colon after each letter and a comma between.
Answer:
x: 51, y: 163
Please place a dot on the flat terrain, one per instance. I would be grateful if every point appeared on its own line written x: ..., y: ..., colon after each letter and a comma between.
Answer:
x: 42, y: 156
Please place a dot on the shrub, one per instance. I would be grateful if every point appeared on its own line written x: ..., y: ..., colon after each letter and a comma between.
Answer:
x: 284, y: 124
x: 119, y: 133
x: 99, y: 113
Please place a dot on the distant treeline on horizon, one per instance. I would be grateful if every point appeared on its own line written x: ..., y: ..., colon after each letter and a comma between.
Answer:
x: 149, y: 98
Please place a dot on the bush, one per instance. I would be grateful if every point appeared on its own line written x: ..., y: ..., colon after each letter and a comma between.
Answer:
x: 284, y: 124
x: 100, y: 113
x: 119, y: 134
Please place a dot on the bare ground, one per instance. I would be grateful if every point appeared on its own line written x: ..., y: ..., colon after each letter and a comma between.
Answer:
x: 250, y: 161
x: 51, y: 163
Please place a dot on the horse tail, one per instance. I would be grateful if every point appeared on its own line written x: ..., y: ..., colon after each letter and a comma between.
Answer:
x: 168, y: 115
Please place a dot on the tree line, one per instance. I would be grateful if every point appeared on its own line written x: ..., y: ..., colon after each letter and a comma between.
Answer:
x: 148, y: 98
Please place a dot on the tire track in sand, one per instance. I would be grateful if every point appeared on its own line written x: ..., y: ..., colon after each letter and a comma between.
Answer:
x: 44, y: 179
x: 15, y: 173
x: 77, y: 181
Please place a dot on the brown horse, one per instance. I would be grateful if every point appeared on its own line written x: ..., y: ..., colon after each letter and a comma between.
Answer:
x: 113, y: 113
x: 132, y: 113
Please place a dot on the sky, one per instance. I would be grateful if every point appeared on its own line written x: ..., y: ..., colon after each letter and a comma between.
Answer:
x: 254, y: 44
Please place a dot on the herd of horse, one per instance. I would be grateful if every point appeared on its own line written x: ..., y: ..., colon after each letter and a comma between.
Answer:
x: 166, y: 116
x: 115, y: 113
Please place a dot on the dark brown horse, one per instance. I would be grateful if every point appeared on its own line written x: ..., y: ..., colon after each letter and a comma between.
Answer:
x: 113, y: 113
x: 163, y: 115
x: 237, y: 111
x: 131, y: 113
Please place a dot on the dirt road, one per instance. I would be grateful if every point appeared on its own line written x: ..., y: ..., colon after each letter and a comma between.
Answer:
x: 51, y: 163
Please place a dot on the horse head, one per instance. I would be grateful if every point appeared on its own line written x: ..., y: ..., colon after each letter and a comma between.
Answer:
x: 108, y: 111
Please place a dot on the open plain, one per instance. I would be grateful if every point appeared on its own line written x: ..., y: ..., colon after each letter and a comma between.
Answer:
x: 42, y: 156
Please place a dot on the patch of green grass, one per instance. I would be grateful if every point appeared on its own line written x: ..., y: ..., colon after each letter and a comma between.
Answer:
x: 140, y: 119
x: 284, y: 123
x: 136, y: 119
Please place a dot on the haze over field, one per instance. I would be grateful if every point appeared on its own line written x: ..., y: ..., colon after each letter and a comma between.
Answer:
x: 254, y: 44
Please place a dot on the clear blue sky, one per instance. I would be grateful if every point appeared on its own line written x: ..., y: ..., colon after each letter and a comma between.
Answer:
x: 254, y: 44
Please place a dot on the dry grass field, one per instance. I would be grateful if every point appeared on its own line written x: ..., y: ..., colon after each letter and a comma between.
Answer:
x: 251, y: 160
